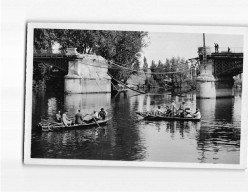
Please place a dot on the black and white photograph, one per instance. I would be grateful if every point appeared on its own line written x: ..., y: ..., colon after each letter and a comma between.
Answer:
x: 134, y: 95
x: 124, y: 96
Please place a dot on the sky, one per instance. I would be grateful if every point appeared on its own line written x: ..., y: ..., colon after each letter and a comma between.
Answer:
x: 184, y: 45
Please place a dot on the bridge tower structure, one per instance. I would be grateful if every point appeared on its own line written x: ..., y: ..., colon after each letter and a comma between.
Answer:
x: 205, y: 82
x: 216, y: 72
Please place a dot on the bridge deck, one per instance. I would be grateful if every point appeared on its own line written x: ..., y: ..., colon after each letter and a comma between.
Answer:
x: 226, y: 55
x: 227, y: 63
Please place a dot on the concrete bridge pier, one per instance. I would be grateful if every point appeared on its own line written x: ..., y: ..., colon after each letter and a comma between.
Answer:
x: 224, y: 87
x: 86, y: 74
x: 208, y: 86
x: 209, y: 83
x: 205, y: 82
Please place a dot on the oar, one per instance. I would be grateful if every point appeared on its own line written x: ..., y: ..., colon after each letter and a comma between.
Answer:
x: 85, y: 115
x: 98, y: 126
x: 96, y: 122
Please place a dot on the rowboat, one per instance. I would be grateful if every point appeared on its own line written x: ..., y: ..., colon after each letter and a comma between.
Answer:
x: 55, y: 126
x: 157, y: 118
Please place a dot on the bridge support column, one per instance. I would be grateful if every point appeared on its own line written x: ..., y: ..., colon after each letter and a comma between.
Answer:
x: 224, y: 87
x: 207, y: 86
x: 205, y: 82
x: 87, y: 74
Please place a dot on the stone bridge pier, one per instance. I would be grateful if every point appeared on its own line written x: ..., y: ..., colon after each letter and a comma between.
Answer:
x: 86, y: 74
x: 208, y: 84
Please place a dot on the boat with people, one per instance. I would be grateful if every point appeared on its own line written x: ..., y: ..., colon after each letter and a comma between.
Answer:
x: 62, y: 121
x: 57, y: 126
x: 151, y: 117
x: 172, y: 112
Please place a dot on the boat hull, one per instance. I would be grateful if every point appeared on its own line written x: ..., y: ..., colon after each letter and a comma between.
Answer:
x: 59, y: 126
x: 159, y: 118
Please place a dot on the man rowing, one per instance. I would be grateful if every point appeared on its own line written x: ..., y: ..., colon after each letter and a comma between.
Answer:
x: 94, y: 117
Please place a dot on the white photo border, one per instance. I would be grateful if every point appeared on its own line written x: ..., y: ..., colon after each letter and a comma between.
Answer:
x: 134, y: 27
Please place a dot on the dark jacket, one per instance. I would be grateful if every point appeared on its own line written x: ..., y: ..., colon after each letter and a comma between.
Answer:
x: 78, y: 118
x: 102, y: 114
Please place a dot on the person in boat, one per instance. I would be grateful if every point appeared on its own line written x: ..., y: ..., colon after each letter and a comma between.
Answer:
x: 188, y: 113
x: 66, y: 121
x: 102, y: 114
x: 79, y: 118
x: 197, y: 114
x: 167, y: 111
x: 58, y: 117
x: 181, y: 110
x: 158, y: 112
x: 94, y: 117
x: 173, y: 108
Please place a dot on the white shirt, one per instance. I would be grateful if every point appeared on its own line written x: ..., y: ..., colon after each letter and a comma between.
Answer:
x: 95, y: 115
x: 197, y: 115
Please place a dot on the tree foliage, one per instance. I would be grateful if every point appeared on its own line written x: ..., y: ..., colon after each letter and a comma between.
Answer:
x: 44, y: 39
x: 145, y: 65
x: 170, y: 65
x: 119, y: 46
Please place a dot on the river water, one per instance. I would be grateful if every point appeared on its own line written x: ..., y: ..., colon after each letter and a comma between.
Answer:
x: 216, y: 139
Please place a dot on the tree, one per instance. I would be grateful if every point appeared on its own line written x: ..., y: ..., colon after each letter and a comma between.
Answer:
x: 44, y: 38
x: 145, y: 65
x: 170, y: 65
x: 153, y: 66
x: 119, y: 46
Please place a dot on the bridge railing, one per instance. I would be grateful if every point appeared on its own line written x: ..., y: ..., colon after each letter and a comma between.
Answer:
x: 225, y: 50
x: 49, y: 53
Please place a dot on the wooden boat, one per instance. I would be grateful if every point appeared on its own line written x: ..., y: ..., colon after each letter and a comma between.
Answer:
x: 157, y: 118
x: 55, y: 126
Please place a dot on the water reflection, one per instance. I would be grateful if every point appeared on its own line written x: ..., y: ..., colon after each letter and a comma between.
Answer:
x: 87, y: 103
x: 216, y: 139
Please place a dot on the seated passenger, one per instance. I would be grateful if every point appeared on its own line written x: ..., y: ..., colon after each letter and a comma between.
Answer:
x: 67, y: 122
x: 158, y: 111
x: 79, y: 118
x: 102, y: 114
x: 58, y: 117
x: 197, y: 114
x: 168, y: 111
x: 181, y: 110
x: 152, y: 112
x: 188, y: 113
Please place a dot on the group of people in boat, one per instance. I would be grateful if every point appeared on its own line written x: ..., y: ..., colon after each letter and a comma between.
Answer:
x: 79, y: 117
x: 173, y: 111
